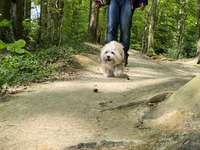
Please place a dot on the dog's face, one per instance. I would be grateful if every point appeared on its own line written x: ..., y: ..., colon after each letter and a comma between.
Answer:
x: 109, y: 56
x: 112, y: 53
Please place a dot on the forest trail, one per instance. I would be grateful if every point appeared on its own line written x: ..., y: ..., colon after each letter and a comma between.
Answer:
x: 59, y: 114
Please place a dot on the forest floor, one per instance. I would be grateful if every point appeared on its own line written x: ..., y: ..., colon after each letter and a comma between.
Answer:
x: 89, y: 111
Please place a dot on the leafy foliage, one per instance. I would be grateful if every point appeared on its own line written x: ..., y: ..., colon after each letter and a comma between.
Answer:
x: 5, y: 23
x: 167, y: 28
x: 38, y: 66
x: 18, y: 69
x: 16, y: 47
x: 76, y: 20
x: 2, y: 45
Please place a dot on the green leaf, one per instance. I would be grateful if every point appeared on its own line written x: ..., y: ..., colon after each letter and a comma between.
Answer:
x: 27, y: 52
x: 20, y: 43
x: 11, y: 47
x: 2, y: 45
x: 20, y: 50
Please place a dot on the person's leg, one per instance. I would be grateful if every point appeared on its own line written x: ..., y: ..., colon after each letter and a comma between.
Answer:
x: 113, y: 20
x: 125, y: 26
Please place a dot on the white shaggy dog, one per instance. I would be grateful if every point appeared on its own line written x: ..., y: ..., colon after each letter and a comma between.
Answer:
x: 112, y: 58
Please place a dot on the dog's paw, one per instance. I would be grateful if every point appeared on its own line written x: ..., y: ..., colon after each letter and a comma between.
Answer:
x: 118, y: 73
x: 123, y: 75
x: 107, y: 75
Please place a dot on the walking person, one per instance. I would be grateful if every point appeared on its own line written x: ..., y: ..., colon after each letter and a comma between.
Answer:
x: 120, y: 14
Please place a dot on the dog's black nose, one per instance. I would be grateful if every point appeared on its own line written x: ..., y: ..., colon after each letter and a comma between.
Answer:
x: 108, y: 57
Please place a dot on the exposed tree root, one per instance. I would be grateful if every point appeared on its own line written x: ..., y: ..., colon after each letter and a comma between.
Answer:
x: 150, y: 102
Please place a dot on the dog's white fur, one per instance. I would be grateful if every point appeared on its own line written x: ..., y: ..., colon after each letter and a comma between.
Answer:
x: 112, y: 58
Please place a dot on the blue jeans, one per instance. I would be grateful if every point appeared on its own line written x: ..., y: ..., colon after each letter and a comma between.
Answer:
x: 120, y: 14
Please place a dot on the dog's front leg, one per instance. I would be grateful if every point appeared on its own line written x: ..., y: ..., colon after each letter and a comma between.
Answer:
x: 118, y: 71
x: 107, y: 71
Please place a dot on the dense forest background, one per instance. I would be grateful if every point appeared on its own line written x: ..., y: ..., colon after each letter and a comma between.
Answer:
x: 169, y: 28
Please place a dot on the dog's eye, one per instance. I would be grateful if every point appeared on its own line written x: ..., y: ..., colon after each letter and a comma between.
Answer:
x: 113, y: 53
x: 106, y: 52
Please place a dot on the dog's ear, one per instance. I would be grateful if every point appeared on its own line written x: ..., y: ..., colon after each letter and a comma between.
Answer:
x: 121, y: 46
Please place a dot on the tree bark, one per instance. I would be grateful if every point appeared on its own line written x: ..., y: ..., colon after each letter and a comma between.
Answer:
x: 198, y: 51
x: 151, y: 27
x: 101, y: 31
x: 93, y: 21
x: 5, y: 6
x: 27, y: 9
x: 18, y: 17
x: 198, y: 17
x: 181, y: 25
x: 42, y: 36
x: 145, y: 34
x: 6, y: 33
x: 198, y: 23
x: 55, y: 21
x: 51, y: 22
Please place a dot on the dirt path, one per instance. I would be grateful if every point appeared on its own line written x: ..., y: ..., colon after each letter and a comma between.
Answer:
x: 60, y: 114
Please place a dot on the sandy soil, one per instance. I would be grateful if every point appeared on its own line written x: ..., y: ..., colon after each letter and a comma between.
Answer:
x: 56, y: 115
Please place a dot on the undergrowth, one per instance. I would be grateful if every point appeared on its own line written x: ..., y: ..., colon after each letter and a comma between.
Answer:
x: 23, y: 69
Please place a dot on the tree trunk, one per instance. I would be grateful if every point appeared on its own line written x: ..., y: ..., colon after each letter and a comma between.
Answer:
x: 145, y: 40
x: 51, y: 22
x: 27, y: 17
x: 93, y: 21
x: 101, y: 31
x: 198, y: 52
x: 198, y: 17
x: 5, y: 6
x: 145, y: 34
x: 27, y: 9
x: 55, y: 21
x: 181, y: 25
x: 198, y: 21
x: 5, y: 13
x: 152, y: 23
x: 42, y: 36
x: 18, y: 17
x: 61, y: 22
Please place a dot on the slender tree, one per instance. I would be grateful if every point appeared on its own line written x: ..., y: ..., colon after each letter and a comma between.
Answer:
x: 198, y: 17
x: 5, y: 14
x: 181, y: 25
x: 18, y: 17
x: 5, y: 6
x: 145, y: 33
x: 198, y: 23
x: 27, y: 9
x: 101, y: 31
x: 51, y: 22
x: 93, y: 21
x: 43, y: 23
x: 27, y: 19
x: 151, y: 26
